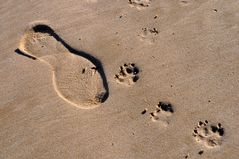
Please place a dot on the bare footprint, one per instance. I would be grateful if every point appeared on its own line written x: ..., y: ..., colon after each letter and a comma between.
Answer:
x: 128, y: 74
x: 208, y: 134
x: 162, y: 113
x: 140, y: 3
x: 148, y: 35
x: 78, y: 77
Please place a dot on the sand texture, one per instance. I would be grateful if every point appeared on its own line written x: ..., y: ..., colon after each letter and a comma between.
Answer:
x: 119, y: 79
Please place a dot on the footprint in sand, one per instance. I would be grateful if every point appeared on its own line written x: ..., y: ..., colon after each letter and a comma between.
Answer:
x: 128, y: 74
x: 78, y: 77
x: 208, y: 134
x: 148, y: 34
x: 140, y: 3
x: 162, y: 113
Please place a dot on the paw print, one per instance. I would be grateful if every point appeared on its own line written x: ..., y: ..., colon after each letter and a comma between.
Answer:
x: 141, y: 3
x: 208, y: 134
x: 162, y: 113
x: 149, y: 34
x: 128, y: 74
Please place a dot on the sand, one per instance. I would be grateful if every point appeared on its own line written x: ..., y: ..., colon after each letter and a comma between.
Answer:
x: 103, y: 79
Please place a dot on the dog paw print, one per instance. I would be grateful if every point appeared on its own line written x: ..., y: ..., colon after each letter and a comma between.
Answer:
x: 148, y: 34
x: 140, y: 3
x: 209, y: 134
x: 128, y: 74
x: 162, y: 113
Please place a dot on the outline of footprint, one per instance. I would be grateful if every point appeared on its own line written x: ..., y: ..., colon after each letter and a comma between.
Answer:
x: 78, y: 77
x: 162, y: 113
x: 128, y: 74
x: 209, y: 134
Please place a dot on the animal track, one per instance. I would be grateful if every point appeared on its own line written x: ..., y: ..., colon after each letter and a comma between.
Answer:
x: 162, y: 113
x: 128, y: 74
x: 78, y: 77
x: 209, y: 134
x: 185, y: 2
x: 142, y: 3
x: 148, y: 34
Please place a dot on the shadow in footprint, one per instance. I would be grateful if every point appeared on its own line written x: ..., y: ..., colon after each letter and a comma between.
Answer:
x: 19, y: 52
x: 42, y: 28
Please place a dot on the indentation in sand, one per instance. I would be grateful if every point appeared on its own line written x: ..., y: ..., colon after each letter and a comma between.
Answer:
x: 148, y: 35
x: 128, y: 74
x: 78, y: 77
x: 209, y: 134
x: 185, y: 2
x: 162, y: 113
x: 140, y: 3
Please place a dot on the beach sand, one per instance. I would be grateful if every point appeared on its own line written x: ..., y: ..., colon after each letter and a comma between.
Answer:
x: 119, y: 79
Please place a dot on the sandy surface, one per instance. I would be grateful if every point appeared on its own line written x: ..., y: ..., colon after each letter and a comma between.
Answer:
x: 185, y: 54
